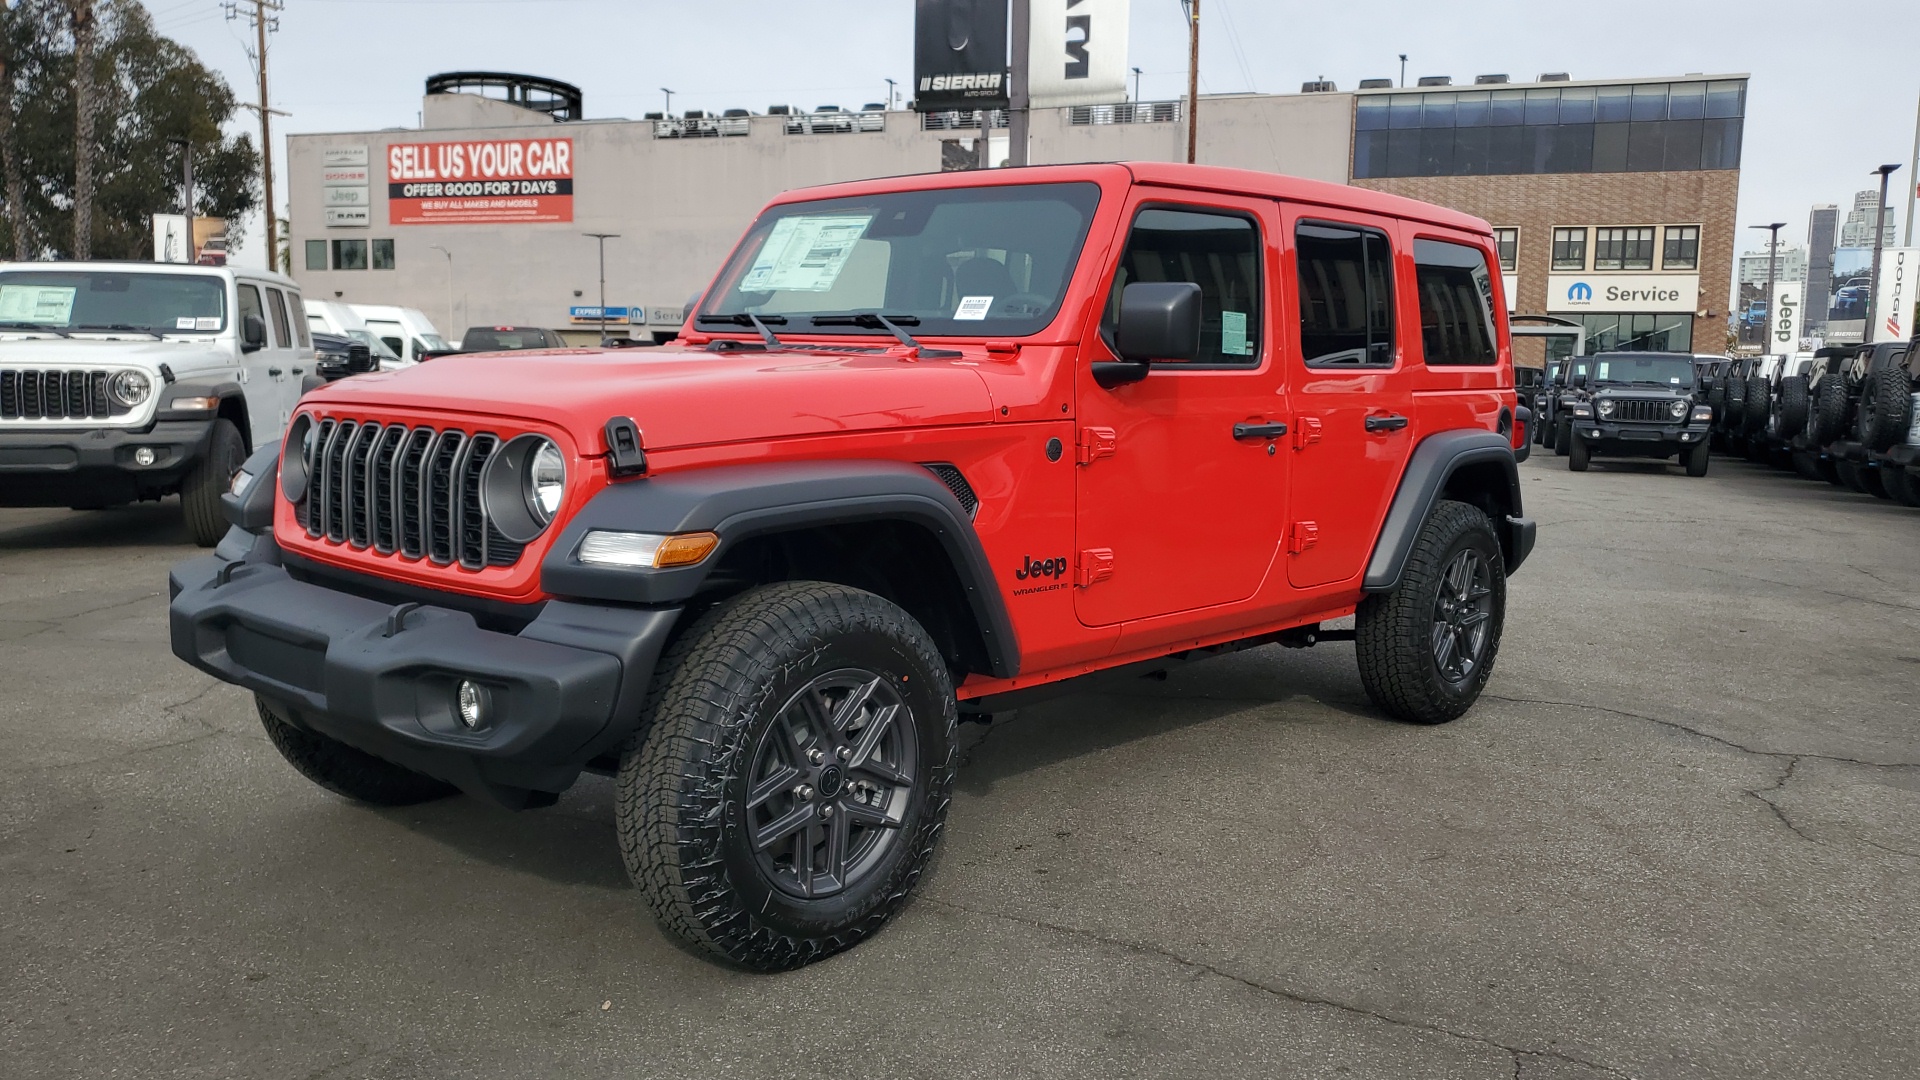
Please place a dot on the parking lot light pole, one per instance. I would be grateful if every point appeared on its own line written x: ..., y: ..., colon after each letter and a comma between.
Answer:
x: 669, y: 113
x: 1879, y: 244
x: 603, y: 237
x: 1773, y: 274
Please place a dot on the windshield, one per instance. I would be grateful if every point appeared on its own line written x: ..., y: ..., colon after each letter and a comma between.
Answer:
x: 103, y: 299
x: 374, y: 345
x: 503, y: 340
x: 959, y: 261
x: 1660, y: 370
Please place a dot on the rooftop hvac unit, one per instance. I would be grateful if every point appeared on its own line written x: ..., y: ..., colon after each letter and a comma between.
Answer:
x: 1376, y: 84
x: 1488, y: 80
x: 1556, y: 76
x: 1436, y: 80
x: 1318, y: 86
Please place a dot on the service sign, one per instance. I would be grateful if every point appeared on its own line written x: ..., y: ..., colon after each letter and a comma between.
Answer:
x: 1623, y: 294
x: 487, y: 182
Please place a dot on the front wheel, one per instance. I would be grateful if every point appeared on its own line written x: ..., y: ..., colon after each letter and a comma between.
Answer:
x: 1426, y: 648
x: 1562, y: 435
x: 1578, y: 455
x: 200, y: 492
x: 794, y: 775
x: 1696, y: 459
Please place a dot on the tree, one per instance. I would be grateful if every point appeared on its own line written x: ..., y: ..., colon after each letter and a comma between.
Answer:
x: 85, y: 135
x: 148, y: 89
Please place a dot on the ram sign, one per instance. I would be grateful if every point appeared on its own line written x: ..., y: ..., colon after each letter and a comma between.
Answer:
x: 1635, y: 294
x: 1077, y: 52
x: 484, y: 182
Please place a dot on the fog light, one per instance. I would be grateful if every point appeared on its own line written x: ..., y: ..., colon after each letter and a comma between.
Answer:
x: 143, y: 456
x: 475, y: 703
x: 1594, y: 434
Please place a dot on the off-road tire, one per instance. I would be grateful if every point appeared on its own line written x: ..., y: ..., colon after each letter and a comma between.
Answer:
x: 1829, y: 418
x: 1717, y: 399
x: 345, y: 771
x: 1550, y: 434
x: 1394, y: 632
x: 681, y: 803
x: 1759, y: 405
x: 1794, y: 405
x: 1850, y: 476
x: 1829, y: 470
x: 1874, y: 481
x: 208, y: 480
x: 1736, y: 405
x: 1578, y: 455
x: 1806, y: 465
x: 1562, y: 436
x: 1902, y: 486
x: 1886, y: 409
x: 1696, y: 459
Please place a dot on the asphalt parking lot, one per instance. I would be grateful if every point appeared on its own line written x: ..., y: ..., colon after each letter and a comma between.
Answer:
x: 1680, y: 837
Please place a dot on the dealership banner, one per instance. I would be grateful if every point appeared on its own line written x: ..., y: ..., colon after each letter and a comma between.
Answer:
x: 959, y: 55
x: 1623, y: 294
x: 484, y: 182
x: 1784, y: 321
x: 1077, y: 52
x: 1894, y: 314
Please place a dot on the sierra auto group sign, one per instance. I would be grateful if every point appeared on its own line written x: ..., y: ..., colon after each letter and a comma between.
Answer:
x: 1623, y: 293
x: 484, y: 182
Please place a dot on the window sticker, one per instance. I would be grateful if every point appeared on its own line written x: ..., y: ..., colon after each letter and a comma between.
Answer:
x: 207, y: 322
x: 973, y: 308
x: 184, y: 322
x: 37, y: 303
x: 805, y: 253
x: 1233, y: 333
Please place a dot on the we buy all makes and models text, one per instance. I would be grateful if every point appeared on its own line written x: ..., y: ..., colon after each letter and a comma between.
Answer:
x: 499, y: 180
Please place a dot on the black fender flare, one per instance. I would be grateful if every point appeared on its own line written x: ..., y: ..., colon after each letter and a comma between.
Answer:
x: 742, y: 501
x: 1434, y: 462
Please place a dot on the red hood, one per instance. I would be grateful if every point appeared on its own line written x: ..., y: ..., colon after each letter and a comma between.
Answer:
x: 684, y: 396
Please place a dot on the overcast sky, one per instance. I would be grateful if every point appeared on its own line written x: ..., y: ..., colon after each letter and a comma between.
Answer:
x: 1831, y: 97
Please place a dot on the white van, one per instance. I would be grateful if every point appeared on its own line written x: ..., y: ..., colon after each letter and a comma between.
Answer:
x: 128, y: 381
x: 334, y: 317
x: 404, y: 330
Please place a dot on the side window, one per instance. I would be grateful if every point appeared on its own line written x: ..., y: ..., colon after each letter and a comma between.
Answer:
x: 300, y: 320
x: 1216, y: 250
x: 277, y: 306
x: 1456, y: 303
x: 250, y: 305
x: 1346, y: 295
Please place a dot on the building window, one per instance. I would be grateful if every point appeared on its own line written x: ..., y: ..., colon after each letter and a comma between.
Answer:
x: 383, y: 254
x: 1346, y: 296
x: 1638, y: 333
x: 1623, y: 249
x: 1507, y: 241
x: 1569, y: 249
x: 316, y: 254
x: 1683, y: 248
x: 349, y: 254
x: 1456, y: 303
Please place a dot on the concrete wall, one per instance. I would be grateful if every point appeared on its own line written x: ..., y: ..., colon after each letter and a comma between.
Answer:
x: 680, y: 204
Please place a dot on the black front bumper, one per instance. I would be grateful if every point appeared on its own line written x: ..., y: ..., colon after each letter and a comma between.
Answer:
x: 96, y: 467
x: 1609, y: 439
x: 566, y: 689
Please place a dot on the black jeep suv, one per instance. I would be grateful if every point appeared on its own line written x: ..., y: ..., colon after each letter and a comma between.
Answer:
x: 1643, y: 405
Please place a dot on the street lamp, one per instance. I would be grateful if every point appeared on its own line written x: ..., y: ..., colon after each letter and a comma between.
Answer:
x: 669, y: 94
x: 1403, y: 70
x: 1773, y: 271
x: 1879, y: 242
x: 449, y: 256
x: 1136, y: 86
x: 891, y: 92
x: 603, y: 237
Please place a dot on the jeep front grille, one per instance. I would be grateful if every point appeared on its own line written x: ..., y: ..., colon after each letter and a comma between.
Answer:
x: 1643, y: 411
x: 33, y: 394
x: 407, y: 491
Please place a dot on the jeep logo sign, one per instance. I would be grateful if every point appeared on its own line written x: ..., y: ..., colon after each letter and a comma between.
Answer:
x: 1635, y: 294
x: 1783, y: 331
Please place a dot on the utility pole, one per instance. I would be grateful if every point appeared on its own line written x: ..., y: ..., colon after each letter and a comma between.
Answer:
x: 603, y: 237
x: 1193, y: 77
x: 1019, y: 102
x: 1773, y: 274
x: 185, y: 147
x: 265, y: 16
x: 1879, y: 243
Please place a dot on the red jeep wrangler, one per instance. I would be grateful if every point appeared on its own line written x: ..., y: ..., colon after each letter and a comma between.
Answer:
x: 927, y: 445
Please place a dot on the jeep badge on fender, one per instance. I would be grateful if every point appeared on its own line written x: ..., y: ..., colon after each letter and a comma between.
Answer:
x: 767, y: 634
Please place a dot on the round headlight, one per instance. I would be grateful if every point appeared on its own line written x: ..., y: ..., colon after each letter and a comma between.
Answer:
x: 295, y: 453
x: 129, y: 388
x: 546, y: 482
x: 1606, y: 406
x: 1678, y: 409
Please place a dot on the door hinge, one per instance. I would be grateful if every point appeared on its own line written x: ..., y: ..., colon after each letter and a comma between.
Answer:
x: 1306, y: 433
x: 1095, y: 443
x: 1096, y: 565
x: 1305, y: 534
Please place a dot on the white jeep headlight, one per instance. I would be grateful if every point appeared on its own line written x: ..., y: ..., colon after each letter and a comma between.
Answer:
x: 546, y: 482
x: 129, y: 388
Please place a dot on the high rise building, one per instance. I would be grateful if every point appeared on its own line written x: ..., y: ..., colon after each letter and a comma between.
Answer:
x: 1822, y: 225
x: 1792, y: 267
x: 1858, y: 229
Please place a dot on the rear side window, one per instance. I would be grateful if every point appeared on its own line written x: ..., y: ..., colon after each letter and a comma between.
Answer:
x: 300, y: 320
x: 277, y: 304
x: 1218, y: 251
x: 1346, y: 295
x: 1456, y: 303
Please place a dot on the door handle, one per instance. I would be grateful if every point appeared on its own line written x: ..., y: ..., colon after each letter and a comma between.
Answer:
x: 299, y: 371
x: 1386, y: 423
x: 274, y: 371
x: 1260, y: 432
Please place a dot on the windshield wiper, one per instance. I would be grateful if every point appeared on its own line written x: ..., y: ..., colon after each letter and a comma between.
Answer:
x: 118, y: 328
x: 875, y: 321
x: 748, y: 318
x: 37, y: 328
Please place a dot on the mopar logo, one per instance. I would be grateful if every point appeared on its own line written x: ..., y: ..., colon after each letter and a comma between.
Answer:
x: 1579, y: 292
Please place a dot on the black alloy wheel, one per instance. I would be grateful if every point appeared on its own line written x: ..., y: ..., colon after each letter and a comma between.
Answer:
x: 1462, y: 615
x: 831, y: 782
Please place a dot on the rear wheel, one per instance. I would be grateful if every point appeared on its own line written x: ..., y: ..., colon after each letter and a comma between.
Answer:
x: 1794, y: 402
x: 1696, y: 459
x: 1885, y: 420
x: 1427, y: 648
x: 1901, y: 485
x: 1577, y: 454
x: 1850, y: 478
x: 1562, y: 435
x: 346, y: 771
x: 794, y: 775
x: 1873, y: 479
x: 211, y: 476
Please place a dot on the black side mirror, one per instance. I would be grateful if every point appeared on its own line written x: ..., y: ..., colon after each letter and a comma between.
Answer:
x: 1159, y: 320
x: 253, y: 334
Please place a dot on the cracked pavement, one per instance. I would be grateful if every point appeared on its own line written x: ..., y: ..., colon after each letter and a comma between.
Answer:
x: 1679, y: 837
